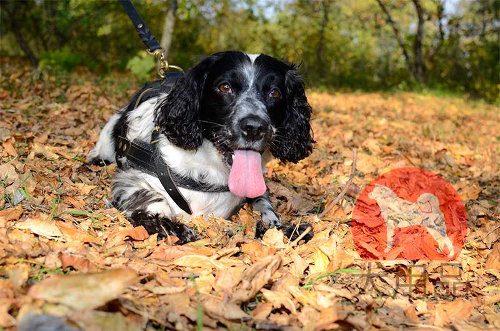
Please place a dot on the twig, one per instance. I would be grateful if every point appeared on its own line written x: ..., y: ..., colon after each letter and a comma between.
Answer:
x: 346, y: 187
x: 184, y: 275
x: 302, y: 235
x: 293, y: 243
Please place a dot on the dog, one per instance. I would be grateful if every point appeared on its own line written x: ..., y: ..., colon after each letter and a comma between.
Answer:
x: 216, y: 127
x: 399, y: 213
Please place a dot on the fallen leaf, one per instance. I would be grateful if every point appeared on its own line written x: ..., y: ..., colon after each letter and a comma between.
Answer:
x: 46, y: 151
x: 274, y: 238
x: 262, y: 311
x: 6, y: 320
x: 40, y: 226
x: 137, y: 233
x: 493, y: 260
x: 84, y: 291
x: 320, y: 261
x: 9, y: 147
x: 77, y: 262
x: 255, y: 277
x: 195, y: 260
x: 445, y: 313
x: 76, y: 235
x: 102, y: 321
x: 218, y: 309
x: 279, y: 299
x: 10, y: 214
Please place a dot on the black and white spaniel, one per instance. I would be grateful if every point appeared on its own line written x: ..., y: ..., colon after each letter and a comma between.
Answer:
x: 219, y: 125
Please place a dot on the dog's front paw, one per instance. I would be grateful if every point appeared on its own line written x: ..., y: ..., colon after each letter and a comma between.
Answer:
x: 271, y: 220
x: 184, y: 233
x: 163, y: 226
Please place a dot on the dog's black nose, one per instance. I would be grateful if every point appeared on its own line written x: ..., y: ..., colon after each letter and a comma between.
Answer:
x: 253, y: 128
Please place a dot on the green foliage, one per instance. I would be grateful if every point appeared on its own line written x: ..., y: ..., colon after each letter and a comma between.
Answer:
x: 62, y: 59
x: 141, y: 65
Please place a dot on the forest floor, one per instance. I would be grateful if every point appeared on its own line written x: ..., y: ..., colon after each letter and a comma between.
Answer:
x: 63, y: 253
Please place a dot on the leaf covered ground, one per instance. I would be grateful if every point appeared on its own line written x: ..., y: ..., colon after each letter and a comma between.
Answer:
x: 66, y: 259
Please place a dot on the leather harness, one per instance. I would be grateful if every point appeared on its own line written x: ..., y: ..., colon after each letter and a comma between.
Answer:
x: 147, y: 157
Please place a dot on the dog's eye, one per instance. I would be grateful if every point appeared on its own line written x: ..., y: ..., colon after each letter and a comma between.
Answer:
x: 274, y: 93
x: 225, y: 88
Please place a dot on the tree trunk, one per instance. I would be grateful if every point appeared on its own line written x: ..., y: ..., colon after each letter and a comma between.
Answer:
x: 440, y: 16
x: 16, y: 30
x: 320, y: 53
x: 399, y: 38
x: 417, y: 46
x: 168, y: 27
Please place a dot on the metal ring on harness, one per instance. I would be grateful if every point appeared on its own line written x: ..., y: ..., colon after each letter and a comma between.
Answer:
x: 153, y: 47
x: 163, y: 67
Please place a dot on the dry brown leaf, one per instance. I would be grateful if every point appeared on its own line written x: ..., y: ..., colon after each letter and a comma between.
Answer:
x: 227, y: 279
x: 76, y: 235
x: 274, y: 238
x: 84, y: 188
x: 6, y: 320
x: 10, y: 214
x: 18, y: 275
x: 46, y: 151
x: 40, y: 226
x: 77, y: 262
x: 493, y: 260
x: 256, y: 250
x: 195, y: 260
x: 255, y: 277
x: 262, y: 311
x: 171, y: 252
x: 279, y: 299
x: 8, y: 174
x: 102, y: 321
x: 226, y: 310
x: 9, y: 147
x: 448, y: 312
x: 84, y: 291
x: 137, y: 233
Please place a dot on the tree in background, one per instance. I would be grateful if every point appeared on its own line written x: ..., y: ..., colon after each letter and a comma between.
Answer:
x: 168, y: 26
x: 366, y: 44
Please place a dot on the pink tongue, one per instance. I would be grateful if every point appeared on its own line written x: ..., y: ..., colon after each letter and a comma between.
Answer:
x: 246, y: 179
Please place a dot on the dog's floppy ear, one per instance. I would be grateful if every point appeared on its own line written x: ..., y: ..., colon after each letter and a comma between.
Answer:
x: 179, y: 114
x: 294, y: 137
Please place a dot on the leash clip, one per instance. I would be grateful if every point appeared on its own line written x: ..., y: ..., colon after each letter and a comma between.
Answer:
x: 163, y: 67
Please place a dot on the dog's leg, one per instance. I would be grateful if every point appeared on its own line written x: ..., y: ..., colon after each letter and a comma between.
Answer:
x: 264, y: 206
x: 147, y: 207
x: 104, y: 151
x: 153, y: 223
x: 271, y: 220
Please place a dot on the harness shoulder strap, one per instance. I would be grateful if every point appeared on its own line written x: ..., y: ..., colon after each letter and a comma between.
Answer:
x: 165, y: 176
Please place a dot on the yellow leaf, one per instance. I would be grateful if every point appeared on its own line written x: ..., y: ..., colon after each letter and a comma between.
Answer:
x: 320, y: 261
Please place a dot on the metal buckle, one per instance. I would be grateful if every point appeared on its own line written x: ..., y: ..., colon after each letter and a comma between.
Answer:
x: 163, y: 67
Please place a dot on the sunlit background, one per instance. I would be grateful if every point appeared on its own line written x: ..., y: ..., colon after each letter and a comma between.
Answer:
x: 444, y: 45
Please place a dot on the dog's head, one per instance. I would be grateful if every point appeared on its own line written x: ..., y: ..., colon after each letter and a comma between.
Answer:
x: 240, y: 102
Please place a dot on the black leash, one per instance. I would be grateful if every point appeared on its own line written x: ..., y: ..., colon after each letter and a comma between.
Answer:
x: 152, y: 45
x: 139, y: 25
